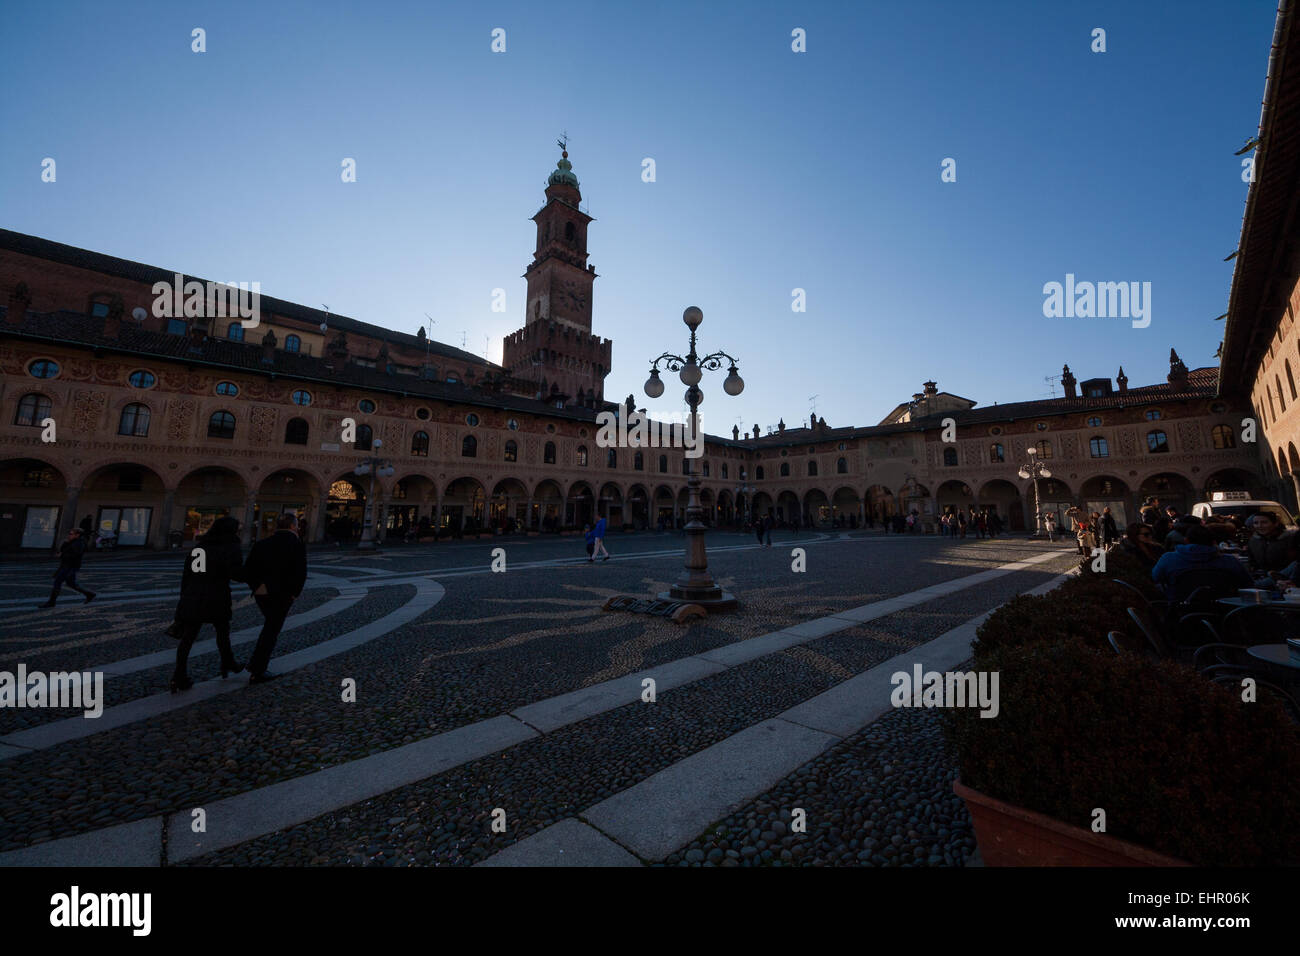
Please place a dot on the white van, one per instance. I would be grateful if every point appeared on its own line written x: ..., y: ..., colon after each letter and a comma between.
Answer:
x: 1239, y: 504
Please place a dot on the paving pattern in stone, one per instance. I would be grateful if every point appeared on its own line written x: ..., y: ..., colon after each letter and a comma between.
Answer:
x: 494, y: 643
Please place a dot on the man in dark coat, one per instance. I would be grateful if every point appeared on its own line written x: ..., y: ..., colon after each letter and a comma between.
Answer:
x: 210, y: 566
x: 70, y: 553
x: 276, y: 571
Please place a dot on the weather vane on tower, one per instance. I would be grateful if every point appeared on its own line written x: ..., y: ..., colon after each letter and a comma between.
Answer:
x: 563, y: 142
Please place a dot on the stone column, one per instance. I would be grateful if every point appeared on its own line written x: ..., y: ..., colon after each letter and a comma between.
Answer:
x: 437, y: 515
x: 68, y: 519
x: 317, y: 519
x: 528, y: 516
x: 163, y: 526
x: 246, y: 530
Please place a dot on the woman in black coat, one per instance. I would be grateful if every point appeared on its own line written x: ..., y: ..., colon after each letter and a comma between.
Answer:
x: 205, y: 597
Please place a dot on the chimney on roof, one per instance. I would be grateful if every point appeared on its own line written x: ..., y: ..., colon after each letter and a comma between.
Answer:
x: 1122, y: 381
x: 113, y: 321
x: 197, y: 334
x: 821, y: 424
x: 812, y: 420
x: 780, y: 427
x: 1177, y: 371
x: 931, y: 388
x: 20, y: 300
x: 1069, y: 381
x: 268, y: 347
x: 755, y: 431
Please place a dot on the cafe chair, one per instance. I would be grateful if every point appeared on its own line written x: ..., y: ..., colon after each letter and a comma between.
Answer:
x: 1149, y: 627
x: 1124, y: 643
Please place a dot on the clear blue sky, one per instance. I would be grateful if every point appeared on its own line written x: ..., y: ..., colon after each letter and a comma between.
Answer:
x: 775, y: 170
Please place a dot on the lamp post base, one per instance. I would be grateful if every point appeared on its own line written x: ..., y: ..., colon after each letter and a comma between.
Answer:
x: 712, y: 599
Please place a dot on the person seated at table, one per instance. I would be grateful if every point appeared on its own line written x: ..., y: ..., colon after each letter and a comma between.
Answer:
x: 1199, y: 563
x: 1139, y: 541
x: 1270, y: 546
x: 1178, y: 533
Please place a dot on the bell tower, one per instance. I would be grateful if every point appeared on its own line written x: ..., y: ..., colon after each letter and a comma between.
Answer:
x: 556, y: 346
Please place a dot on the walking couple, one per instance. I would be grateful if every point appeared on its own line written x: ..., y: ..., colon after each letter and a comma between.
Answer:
x: 275, y: 572
x: 763, y: 530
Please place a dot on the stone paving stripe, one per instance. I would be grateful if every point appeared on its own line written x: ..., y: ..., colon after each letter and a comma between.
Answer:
x: 849, y: 706
x: 233, y: 820
x: 57, y: 732
x: 556, y: 712
x: 662, y: 812
x: 138, y: 843
x: 132, y: 665
x: 741, y: 652
x: 568, y: 843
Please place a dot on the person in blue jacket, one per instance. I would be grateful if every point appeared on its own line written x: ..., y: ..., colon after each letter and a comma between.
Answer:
x: 598, y: 539
x: 1199, y: 554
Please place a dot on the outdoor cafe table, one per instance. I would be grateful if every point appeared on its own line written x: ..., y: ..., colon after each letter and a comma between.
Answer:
x: 1275, y: 654
x: 1282, y: 605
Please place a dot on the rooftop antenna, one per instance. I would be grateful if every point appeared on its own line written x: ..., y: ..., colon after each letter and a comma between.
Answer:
x: 462, y: 338
x: 487, y: 342
x: 325, y: 325
x: 1051, y: 381
x: 813, y: 399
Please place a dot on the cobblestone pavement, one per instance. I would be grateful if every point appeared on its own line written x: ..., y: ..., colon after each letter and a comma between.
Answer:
x: 493, y: 643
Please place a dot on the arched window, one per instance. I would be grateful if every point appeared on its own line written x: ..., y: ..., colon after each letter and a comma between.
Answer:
x: 134, y: 421
x: 758, y: 473
x: 686, y: 465
x: 724, y: 469
x: 568, y: 232
x: 32, y: 410
x: 1157, y: 442
x: 1272, y: 409
x: 1290, y: 379
x: 841, y: 467
x: 221, y: 425
x: 1098, y: 448
x: 1153, y: 415
x: 1044, y: 447
x: 611, y: 458
x: 469, y: 447
x: 292, y: 344
x: 365, y: 438
x: 1281, y: 399
x: 950, y: 457
x: 548, y: 453
x: 1223, y: 437
x: 235, y: 332
x: 785, y: 469
x: 141, y: 379
x: 997, y: 453
x: 663, y: 463
x: 420, y: 444
x: 512, y: 451
x: 706, y: 469
x: 582, y: 456
x: 638, y: 462
x: 300, y: 397
x: 812, y: 469
x: 295, y: 431
x: 227, y: 388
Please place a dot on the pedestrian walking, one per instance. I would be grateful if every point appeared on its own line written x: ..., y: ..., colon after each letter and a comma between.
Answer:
x: 598, y: 535
x: 210, y: 566
x: 70, y: 554
x: 276, y: 571
x: 768, y: 523
x: 1109, y: 532
x: 591, y: 541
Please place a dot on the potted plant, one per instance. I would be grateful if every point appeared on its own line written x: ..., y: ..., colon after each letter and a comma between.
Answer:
x: 1183, y: 770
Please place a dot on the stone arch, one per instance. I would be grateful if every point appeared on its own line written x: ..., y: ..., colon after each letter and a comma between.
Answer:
x: 638, y: 507
x: 788, y: 509
x: 548, y: 505
x: 1003, y: 498
x: 38, y: 509
x: 881, y: 503
x: 464, y: 506
x: 508, y: 505
x: 580, y: 505
x: 665, y: 506
x: 955, y: 494
x: 816, y: 508
x: 208, y: 492
x: 1171, y: 487
x: 289, y: 491
x: 846, y: 504
x: 609, y: 504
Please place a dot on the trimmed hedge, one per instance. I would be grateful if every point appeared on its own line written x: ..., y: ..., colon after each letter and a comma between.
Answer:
x: 1179, y: 765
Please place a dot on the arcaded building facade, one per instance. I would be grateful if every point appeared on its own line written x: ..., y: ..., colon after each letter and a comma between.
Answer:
x: 162, y: 423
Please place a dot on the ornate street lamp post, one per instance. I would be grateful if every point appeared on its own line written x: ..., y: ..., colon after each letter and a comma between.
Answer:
x: 1035, y: 469
x: 371, y: 467
x: 696, y: 585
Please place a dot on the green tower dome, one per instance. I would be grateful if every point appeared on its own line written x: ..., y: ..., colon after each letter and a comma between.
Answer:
x: 563, y: 175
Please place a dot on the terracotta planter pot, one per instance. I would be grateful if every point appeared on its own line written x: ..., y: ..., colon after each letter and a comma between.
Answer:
x: 1013, y: 836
